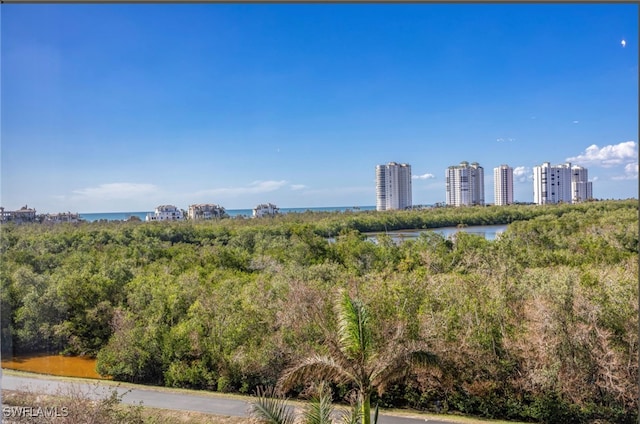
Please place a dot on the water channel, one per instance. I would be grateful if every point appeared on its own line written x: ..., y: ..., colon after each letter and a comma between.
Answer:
x: 68, y: 366
x: 489, y: 232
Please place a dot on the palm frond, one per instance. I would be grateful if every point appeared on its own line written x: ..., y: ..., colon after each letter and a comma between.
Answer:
x: 353, y: 327
x: 321, y: 408
x: 424, y: 358
x: 271, y: 409
x: 335, y: 351
x: 315, y: 367
x: 397, y: 361
x: 353, y: 415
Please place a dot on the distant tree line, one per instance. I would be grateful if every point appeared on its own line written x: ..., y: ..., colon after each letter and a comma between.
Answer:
x: 538, y: 325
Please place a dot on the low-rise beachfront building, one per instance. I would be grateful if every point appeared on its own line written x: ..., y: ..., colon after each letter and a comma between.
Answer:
x: 265, y: 209
x: 206, y: 211
x: 22, y: 215
x: 57, y: 218
x: 165, y: 213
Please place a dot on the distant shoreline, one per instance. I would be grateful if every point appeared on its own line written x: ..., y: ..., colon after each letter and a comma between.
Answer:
x: 121, y: 216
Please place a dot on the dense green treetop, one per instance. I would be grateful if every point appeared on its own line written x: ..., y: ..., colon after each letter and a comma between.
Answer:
x: 539, y: 324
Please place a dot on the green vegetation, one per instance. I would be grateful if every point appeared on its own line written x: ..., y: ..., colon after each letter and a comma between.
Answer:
x: 539, y: 325
x: 355, y: 359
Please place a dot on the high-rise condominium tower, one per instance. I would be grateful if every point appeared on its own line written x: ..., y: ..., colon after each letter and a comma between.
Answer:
x: 581, y: 187
x: 503, y: 185
x: 465, y: 184
x: 552, y: 184
x: 393, y: 186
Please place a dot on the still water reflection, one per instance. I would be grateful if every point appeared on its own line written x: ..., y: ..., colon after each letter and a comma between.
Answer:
x: 489, y: 232
x: 69, y: 366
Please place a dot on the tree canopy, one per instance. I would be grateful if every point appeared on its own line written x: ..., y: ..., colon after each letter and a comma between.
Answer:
x: 539, y: 324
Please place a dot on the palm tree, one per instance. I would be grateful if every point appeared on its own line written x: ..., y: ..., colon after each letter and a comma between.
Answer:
x: 354, y: 358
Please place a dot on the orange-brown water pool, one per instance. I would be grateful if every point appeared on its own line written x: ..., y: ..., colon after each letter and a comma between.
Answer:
x: 68, y: 366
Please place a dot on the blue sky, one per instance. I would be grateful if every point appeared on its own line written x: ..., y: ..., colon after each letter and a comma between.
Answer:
x: 122, y: 107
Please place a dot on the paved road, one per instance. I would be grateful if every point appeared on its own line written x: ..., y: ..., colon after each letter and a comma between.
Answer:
x: 209, y: 403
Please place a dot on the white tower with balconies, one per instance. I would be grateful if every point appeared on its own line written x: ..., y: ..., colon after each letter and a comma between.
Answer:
x: 503, y: 185
x: 393, y: 186
x: 552, y: 184
x: 581, y: 187
x: 465, y: 184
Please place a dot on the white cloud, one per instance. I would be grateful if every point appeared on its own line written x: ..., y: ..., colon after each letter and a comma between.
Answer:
x: 113, y: 191
x: 265, y: 186
x: 607, y: 156
x: 630, y: 172
x: 298, y: 186
x: 522, y: 174
x: 253, y: 188
x: 423, y: 177
x: 576, y: 122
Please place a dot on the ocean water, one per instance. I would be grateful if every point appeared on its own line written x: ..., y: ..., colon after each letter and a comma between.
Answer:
x: 123, y: 216
x: 112, y: 216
